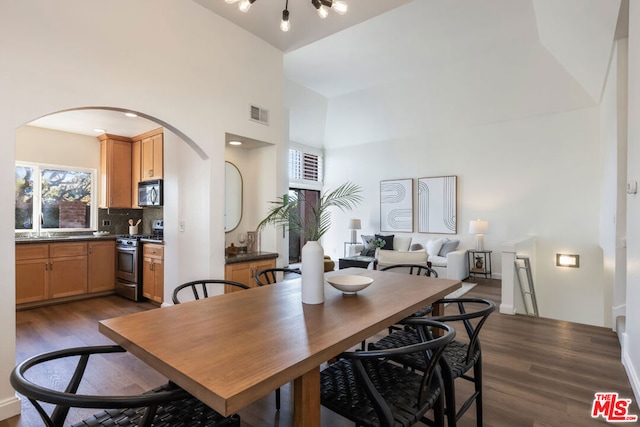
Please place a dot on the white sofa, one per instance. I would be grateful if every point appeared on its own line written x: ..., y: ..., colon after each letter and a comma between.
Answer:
x: 448, y: 261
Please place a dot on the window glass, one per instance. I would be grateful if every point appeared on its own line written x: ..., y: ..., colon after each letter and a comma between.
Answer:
x: 53, y: 198
x: 24, y: 198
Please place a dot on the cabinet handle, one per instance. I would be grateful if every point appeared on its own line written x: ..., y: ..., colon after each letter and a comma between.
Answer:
x: 50, y: 266
x: 150, y: 172
x: 46, y: 266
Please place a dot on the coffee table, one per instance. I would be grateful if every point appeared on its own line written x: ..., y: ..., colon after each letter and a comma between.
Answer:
x: 356, y: 261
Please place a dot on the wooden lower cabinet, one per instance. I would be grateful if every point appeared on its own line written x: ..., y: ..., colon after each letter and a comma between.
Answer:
x: 102, y: 266
x: 63, y: 270
x: 46, y: 271
x: 32, y: 280
x: 153, y: 272
x: 245, y: 272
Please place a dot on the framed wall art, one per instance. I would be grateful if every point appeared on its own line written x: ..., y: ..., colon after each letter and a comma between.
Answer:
x: 396, y: 205
x: 438, y: 204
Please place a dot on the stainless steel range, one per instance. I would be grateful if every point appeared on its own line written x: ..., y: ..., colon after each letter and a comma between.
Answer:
x: 129, y: 261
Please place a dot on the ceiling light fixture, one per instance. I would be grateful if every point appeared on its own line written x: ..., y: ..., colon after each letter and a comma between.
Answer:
x: 100, y: 130
x: 235, y: 143
x: 321, y: 6
x: 129, y: 114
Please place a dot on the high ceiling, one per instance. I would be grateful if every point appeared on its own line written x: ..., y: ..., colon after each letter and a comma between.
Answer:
x: 380, y: 42
x: 263, y: 19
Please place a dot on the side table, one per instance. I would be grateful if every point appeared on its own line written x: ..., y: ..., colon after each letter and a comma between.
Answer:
x: 479, y: 263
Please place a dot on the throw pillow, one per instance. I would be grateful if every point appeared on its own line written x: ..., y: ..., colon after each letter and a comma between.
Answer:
x: 367, y: 241
x: 448, y: 246
x: 434, y: 246
x: 388, y: 245
x: 369, y: 251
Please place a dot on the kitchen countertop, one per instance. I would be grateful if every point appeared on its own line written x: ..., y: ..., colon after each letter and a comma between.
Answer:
x: 61, y: 239
x: 250, y: 256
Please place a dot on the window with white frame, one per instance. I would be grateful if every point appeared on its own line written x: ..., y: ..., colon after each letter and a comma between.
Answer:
x: 54, y: 198
x: 305, y: 167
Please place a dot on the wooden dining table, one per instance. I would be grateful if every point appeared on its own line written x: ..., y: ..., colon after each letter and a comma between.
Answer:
x: 232, y: 349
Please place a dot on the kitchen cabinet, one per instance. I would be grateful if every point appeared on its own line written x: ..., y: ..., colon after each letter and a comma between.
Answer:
x: 152, y: 157
x: 136, y: 173
x: 67, y: 269
x: 115, y: 171
x: 245, y: 272
x: 153, y: 272
x: 45, y: 271
x: 102, y: 266
x: 32, y: 273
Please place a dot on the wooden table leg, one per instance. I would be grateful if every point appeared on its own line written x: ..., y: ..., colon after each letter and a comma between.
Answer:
x: 306, y: 399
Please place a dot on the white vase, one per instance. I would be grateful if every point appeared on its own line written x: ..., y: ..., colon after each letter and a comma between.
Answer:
x: 312, y: 273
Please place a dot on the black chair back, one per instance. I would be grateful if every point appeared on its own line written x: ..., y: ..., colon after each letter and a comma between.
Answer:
x: 140, y: 410
x: 273, y: 275
x: 415, y: 269
x: 199, y: 288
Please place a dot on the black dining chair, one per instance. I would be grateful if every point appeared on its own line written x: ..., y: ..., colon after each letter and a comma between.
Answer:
x: 199, y: 288
x: 369, y: 389
x: 418, y: 270
x: 270, y: 276
x: 460, y: 356
x: 164, y: 406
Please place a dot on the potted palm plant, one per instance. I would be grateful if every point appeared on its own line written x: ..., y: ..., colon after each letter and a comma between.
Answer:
x: 312, y: 219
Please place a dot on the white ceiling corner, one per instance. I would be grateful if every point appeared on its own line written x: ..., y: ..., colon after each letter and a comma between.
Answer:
x: 580, y: 35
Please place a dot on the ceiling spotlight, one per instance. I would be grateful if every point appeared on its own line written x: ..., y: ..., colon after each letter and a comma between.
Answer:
x: 131, y: 114
x: 322, y: 11
x: 100, y: 130
x: 338, y: 6
x: 245, y: 5
x: 235, y: 143
x: 284, y: 24
x: 231, y: 1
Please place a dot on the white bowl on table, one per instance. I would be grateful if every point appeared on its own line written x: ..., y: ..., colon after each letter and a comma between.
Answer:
x: 349, y: 283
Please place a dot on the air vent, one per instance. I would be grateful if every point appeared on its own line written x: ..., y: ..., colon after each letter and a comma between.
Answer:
x: 259, y: 115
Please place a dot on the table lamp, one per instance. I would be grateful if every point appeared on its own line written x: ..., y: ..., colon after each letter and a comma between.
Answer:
x: 354, y: 224
x: 479, y: 228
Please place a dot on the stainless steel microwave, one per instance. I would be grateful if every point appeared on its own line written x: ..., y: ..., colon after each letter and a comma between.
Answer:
x: 150, y: 193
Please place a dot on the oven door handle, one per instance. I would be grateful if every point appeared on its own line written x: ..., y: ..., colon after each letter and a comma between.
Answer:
x: 126, y: 248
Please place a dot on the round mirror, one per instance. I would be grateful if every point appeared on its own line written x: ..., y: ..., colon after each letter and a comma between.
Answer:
x: 232, y: 197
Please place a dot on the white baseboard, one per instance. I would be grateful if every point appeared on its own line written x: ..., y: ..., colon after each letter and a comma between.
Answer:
x: 507, y: 309
x: 10, y: 407
x: 632, y: 373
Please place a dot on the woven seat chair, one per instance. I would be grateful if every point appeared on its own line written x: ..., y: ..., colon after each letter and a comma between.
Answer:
x: 270, y: 276
x: 199, y: 288
x: 165, y: 406
x: 370, y: 390
x: 459, y: 357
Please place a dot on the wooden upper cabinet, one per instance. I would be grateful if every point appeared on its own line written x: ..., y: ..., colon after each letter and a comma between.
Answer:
x: 152, y: 157
x: 115, y: 171
x: 136, y: 172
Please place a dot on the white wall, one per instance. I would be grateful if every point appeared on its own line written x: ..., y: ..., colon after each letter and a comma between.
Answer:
x: 194, y: 73
x: 613, y: 123
x: 47, y: 146
x: 631, y: 339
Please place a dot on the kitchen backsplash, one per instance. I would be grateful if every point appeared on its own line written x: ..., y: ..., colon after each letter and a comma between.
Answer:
x: 119, y: 219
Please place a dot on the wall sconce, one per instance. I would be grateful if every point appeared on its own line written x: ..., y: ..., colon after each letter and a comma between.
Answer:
x: 567, y: 260
x: 354, y: 224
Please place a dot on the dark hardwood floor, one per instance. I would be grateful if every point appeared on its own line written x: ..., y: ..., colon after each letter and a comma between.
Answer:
x: 537, y: 372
